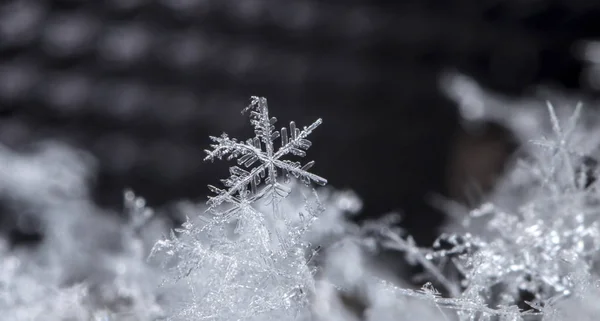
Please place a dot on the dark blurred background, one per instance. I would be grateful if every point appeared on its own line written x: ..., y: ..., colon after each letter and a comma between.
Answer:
x: 142, y: 83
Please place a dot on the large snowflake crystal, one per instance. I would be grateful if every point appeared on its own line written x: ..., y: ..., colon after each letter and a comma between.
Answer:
x: 243, y: 259
x: 262, y: 149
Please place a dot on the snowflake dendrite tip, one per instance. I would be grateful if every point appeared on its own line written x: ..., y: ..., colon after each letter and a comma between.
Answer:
x: 258, y: 158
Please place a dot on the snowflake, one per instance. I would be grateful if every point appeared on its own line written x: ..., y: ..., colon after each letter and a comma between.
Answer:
x: 261, y: 149
x: 559, y: 149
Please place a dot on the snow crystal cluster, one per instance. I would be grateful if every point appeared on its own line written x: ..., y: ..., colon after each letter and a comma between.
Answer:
x: 272, y: 243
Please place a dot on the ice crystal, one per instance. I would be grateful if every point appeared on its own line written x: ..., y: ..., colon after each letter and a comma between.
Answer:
x: 262, y: 149
x: 237, y: 261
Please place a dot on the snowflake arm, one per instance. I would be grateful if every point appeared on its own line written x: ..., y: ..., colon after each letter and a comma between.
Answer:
x: 225, y: 145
